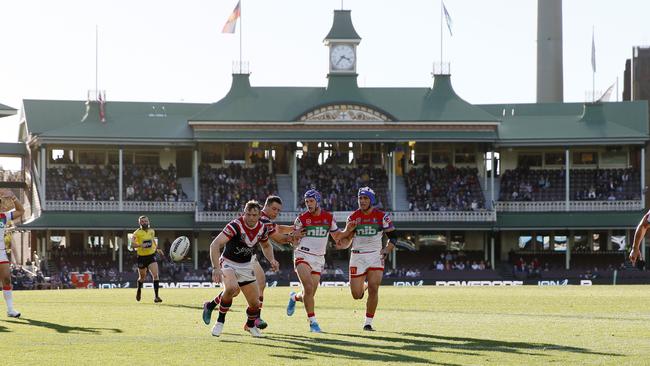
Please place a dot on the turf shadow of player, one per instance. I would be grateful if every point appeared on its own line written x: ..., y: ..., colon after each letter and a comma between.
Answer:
x: 60, y: 328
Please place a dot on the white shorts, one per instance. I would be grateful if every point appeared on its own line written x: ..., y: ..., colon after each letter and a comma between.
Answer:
x: 243, y: 271
x: 361, y: 263
x: 315, y: 262
x: 3, y: 257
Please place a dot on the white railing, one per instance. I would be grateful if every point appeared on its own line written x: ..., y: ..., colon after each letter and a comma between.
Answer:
x: 558, y: 206
x: 341, y: 216
x: 131, y: 206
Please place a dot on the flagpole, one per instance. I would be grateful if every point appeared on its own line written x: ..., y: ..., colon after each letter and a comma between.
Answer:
x: 96, y: 60
x: 441, y: 35
x: 241, y: 30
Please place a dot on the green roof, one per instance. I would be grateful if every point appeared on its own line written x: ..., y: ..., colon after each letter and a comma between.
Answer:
x: 6, y: 110
x: 108, y: 221
x: 125, y: 121
x: 568, y: 220
x: 347, y: 135
x: 571, y: 123
x: 284, y: 104
x: 342, y: 27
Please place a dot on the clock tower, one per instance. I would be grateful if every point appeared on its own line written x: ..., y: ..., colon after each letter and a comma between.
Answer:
x: 342, y: 41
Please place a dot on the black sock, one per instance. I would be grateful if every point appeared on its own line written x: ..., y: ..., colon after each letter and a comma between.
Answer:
x: 253, y: 314
x: 156, y: 286
x: 139, y: 285
x: 223, y: 309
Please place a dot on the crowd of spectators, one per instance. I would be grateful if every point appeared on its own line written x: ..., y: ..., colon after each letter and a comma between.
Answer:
x: 11, y: 175
x: 523, y: 184
x: 152, y: 183
x: 444, y: 189
x: 338, y: 184
x: 229, y: 188
x: 74, y: 183
x: 100, y: 183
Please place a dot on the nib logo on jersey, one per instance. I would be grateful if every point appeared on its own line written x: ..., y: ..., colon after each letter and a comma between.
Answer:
x: 317, y: 231
x: 366, y: 230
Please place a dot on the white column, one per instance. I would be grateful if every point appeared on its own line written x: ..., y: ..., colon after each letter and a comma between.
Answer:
x: 43, y: 169
x: 569, y: 245
x: 492, y: 248
x: 492, y: 174
x: 195, y: 176
x: 485, y: 177
x: 120, y: 258
x: 643, y: 176
x: 195, y: 251
x: 120, y: 184
x: 393, y: 167
x: 294, y: 179
x: 567, y: 183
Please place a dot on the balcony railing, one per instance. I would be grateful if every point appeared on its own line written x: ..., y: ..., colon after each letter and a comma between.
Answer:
x: 574, y: 206
x: 341, y: 216
x: 129, y: 206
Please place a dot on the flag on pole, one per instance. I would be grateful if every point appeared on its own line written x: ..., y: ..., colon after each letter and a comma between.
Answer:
x: 607, y: 94
x: 87, y: 108
x: 593, y: 52
x: 447, y: 18
x: 102, y: 105
x: 231, y: 23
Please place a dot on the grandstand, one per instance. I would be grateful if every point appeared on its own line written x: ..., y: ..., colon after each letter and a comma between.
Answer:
x: 559, y: 182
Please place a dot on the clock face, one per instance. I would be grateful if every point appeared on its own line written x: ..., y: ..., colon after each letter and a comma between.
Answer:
x: 342, y: 57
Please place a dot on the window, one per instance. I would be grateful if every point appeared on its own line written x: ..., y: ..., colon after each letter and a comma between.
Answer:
x: 618, y: 240
x: 580, y: 242
x: 465, y: 155
x: 585, y: 158
x: 62, y: 156
x: 457, y: 241
x: 556, y: 158
x: 560, y: 242
x: 529, y: 160
x: 92, y: 157
x: 147, y: 158
x: 525, y: 241
x: 441, y: 157
x: 542, y: 242
x: 614, y: 157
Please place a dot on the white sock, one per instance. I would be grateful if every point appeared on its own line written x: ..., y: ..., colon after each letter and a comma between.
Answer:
x: 368, y: 321
x: 8, y: 299
x: 312, y: 319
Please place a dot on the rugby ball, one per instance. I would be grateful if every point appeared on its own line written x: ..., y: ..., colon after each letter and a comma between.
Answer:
x: 179, y: 248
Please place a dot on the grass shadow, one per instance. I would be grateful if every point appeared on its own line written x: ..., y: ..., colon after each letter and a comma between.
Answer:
x: 491, y: 345
x: 60, y: 328
x: 320, y: 346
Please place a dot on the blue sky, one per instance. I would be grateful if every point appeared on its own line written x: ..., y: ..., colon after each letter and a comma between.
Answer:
x: 174, y: 51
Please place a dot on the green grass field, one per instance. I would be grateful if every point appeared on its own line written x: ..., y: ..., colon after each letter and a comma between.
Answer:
x: 599, y: 325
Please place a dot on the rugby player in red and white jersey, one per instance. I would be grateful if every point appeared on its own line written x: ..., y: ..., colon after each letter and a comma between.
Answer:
x: 5, y: 272
x: 309, y: 254
x: 367, y: 257
x: 234, y: 268
x: 281, y: 234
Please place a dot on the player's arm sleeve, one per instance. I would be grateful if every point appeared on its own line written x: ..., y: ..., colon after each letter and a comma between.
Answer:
x: 387, y: 223
x: 229, y: 231
x: 334, y: 227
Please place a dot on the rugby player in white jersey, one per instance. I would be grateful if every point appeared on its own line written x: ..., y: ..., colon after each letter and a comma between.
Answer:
x: 309, y: 254
x: 5, y: 271
x: 368, y: 254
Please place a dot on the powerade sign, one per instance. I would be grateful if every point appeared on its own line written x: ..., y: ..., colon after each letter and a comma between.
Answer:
x: 478, y: 283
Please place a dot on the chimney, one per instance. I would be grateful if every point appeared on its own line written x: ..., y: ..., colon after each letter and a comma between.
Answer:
x: 549, y: 51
